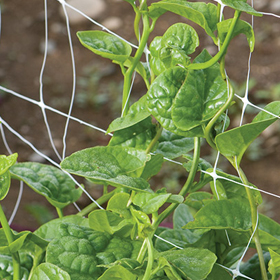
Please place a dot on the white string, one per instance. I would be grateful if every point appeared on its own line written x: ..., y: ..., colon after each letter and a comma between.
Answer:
x: 127, y: 99
x: 74, y: 79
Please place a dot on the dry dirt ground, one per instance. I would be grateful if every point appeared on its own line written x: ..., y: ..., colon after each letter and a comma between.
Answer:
x: 99, y: 87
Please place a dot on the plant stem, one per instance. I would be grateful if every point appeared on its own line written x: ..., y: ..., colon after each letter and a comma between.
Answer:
x: 186, y: 187
x: 149, y: 267
x: 59, y: 212
x: 254, y: 216
x: 223, y: 50
x: 10, y: 239
x: 128, y: 75
x: 154, y: 141
x: 101, y: 200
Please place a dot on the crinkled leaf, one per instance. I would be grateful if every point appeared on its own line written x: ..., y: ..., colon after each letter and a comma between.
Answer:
x: 105, y: 44
x: 241, y: 5
x: 137, y: 136
x: 49, y: 181
x: 201, y: 13
x: 150, y: 202
x: 191, y: 263
x: 117, y: 272
x: 109, y: 165
x: 6, y: 269
x: 107, y: 221
x: 274, y: 264
x: 48, y: 271
x: 136, y: 113
x: 48, y: 230
x: 160, y: 99
x: 195, y: 103
x: 234, y: 142
x: 241, y: 27
x: 172, y: 146
x: 223, y: 214
x: 79, y: 251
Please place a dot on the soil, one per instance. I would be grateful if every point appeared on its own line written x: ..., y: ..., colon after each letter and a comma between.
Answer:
x: 99, y: 88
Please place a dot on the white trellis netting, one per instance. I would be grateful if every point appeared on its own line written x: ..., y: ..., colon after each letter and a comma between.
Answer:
x: 66, y: 117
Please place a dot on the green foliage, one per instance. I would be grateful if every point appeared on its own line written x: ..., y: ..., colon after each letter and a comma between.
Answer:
x: 187, y: 99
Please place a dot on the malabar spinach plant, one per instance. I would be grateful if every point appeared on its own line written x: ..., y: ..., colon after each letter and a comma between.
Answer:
x: 187, y: 100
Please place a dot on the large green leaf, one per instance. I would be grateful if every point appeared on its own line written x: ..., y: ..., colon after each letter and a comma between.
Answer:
x: 194, y: 103
x: 172, y: 146
x: 105, y: 44
x: 160, y: 99
x: 109, y: 165
x: 223, y: 214
x: 201, y: 13
x: 5, y: 178
x: 48, y: 271
x: 49, y: 181
x: 191, y: 263
x: 79, y: 250
x: 241, y: 5
x: 233, y: 143
x: 241, y: 27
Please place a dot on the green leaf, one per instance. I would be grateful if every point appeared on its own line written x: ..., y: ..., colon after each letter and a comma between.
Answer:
x: 150, y: 202
x: 195, y: 103
x: 160, y: 99
x: 137, y: 136
x: 241, y: 27
x: 15, y: 246
x: 172, y: 146
x: 274, y: 264
x: 152, y: 167
x: 109, y: 222
x: 117, y: 272
x: 55, y: 185
x: 48, y: 230
x: 223, y: 214
x: 105, y: 45
x: 109, y: 165
x: 5, y: 178
x: 169, y: 270
x: 6, y: 269
x: 80, y: 250
x: 136, y: 113
x: 191, y: 263
x: 182, y: 215
x: 201, y: 13
x: 233, y: 143
x: 197, y: 200
x: 48, y: 271
x: 241, y: 5
x: 219, y: 273
x: 118, y: 204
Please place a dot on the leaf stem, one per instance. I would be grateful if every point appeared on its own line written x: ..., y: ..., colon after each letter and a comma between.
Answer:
x: 221, y: 53
x: 154, y: 141
x: 149, y: 267
x: 10, y: 239
x: 59, y: 212
x: 186, y: 187
x: 254, y: 216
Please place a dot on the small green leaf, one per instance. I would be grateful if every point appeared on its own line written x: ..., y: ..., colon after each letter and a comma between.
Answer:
x: 241, y: 27
x: 242, y: 6
x: 136, y: 113
x: 219, y: 273
x: 201, y: 13
x: 223, y: 214
x: 233, y: 143
x: 117, y: 272
x: 191, y: 263
x: 105, y: 45
x: 172, y: 146
x: 6, y: 162
x: 197, y: 200
x: 152, y: 166
x: 48, y: 271
x: 118, y: 204
x: 150, y: 202
x: 274, y: 264
x: 182, y: 215
x: 109, y: 165
x: 55, y: 185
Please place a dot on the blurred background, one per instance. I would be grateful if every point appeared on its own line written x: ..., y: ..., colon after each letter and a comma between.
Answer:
x: 99, y: 87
